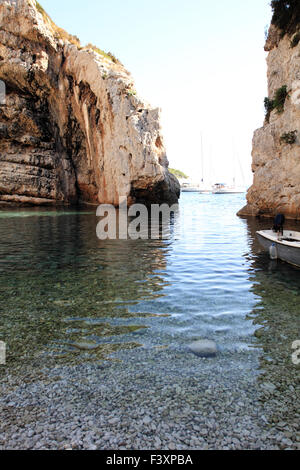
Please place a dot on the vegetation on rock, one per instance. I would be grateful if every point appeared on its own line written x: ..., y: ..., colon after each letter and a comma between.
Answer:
x: 178, y: 173
x: 277, y: 103
x: 280, y: 97
x: 289, y: 137
x: 60, y: 33
x: 286, y: 15
x: 269, y: 106
x: 107, y: 55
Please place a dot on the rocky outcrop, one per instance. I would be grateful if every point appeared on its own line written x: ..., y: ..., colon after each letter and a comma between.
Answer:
x: 276, y: 147
x: 72, y: 128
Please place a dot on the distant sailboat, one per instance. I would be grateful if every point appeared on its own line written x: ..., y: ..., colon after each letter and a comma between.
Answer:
x: 203, y: 188
x: 222, y: 188
x: 189, y: 187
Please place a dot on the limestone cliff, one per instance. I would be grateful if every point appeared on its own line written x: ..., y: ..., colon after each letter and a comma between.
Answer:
x: 276, y: 146
x: 72, y: 128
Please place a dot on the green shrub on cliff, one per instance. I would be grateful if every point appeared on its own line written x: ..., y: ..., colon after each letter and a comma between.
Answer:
x: 60, y: 33
x: 107, y: 55
x: 289, y: 137
x: 41, y: 10
x: 286, y: 15
x: 277, y: 103
x: 269, y: 106
x: 178, y: 173
x: 279, y: 99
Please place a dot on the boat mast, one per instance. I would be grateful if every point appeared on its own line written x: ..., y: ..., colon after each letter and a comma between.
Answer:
x: 234, y: 163
x: 202, y: 160
x: 236, y: 159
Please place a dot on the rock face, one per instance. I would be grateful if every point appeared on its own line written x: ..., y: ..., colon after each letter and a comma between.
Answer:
x: 72, y: 128
x: 276, y: 163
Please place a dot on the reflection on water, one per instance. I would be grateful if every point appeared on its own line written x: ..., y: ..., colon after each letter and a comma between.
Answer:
x: 277, y: 286
x: 61, y: 287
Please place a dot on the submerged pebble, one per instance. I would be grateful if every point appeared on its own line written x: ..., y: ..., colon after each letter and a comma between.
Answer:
x: 204, y: 348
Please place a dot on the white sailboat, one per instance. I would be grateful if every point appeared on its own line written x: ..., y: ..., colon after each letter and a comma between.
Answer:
x: 223, y: 188
x: 189, y: 187
x: 220, y: 188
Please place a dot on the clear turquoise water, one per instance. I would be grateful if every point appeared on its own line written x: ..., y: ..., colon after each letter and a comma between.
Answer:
x: 60, y: 284
x: 67, y: 298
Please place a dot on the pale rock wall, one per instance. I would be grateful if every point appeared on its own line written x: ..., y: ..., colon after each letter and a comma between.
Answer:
x: 72, y: 129
x: 276, y: 165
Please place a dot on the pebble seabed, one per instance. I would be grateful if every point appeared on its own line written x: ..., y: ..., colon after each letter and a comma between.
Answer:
x: 167, y: 399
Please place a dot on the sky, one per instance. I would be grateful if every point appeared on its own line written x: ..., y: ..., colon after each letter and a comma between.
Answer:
x: 202, y: 62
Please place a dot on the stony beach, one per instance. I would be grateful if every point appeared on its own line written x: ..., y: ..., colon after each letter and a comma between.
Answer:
x: 129, y: 405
